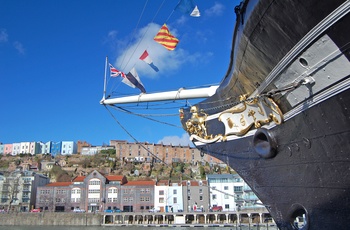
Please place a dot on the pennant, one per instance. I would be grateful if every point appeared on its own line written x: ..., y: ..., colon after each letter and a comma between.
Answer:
x: 195, y: 12
x: 130, y: 81
x: 166, y: 39
x: 146, y: 58
x: 134, y: 79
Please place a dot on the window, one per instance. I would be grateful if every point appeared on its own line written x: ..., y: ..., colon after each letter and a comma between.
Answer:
x: 112, y: 190
x: 227, y: 206
x: 94, y: 182
x: 161, y: 200
x: 214, y: 196
x: 174, y: 191
x: 201, y: 198
x: 225, y: 187
x: 238, y: 188
x: 161, y: 192
x: 200, y: 191
x: 175, y: 200
x: 226, y: 196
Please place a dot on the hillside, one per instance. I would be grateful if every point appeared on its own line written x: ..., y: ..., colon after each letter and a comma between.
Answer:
x: 65, y: 168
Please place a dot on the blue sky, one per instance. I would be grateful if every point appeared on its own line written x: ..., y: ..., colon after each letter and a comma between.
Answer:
x: 53, y: 60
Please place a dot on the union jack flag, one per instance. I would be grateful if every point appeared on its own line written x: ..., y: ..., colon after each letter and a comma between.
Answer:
x: 115, y: 72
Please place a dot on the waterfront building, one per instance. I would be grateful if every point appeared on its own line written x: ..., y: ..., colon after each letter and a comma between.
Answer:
x: 46, y: 166
x: 94, y: 192
x: 68, y: 148
x: 56, y: 148
x: 137, y: 196
x: 16, y: 149
x: 92, y: 150
x: 8, y: 148
x: 24, y: 147
x: 196, y: 195
x: 45, y: 148
x: 19, y: 189
x: 34, y: 148
x: 147, y: 152
x: 81, y: 144
x: 168, y: 196
x: 231, y: 192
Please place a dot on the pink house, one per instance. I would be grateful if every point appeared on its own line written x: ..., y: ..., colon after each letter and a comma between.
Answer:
x: 7, y: 149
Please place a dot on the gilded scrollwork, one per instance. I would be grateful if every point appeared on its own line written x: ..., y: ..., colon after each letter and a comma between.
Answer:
x: 237, y: 120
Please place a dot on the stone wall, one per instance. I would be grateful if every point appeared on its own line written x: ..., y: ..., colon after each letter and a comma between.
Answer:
x: 53, y: 219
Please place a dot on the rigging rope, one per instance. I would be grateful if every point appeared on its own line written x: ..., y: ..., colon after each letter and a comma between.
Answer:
x: 140, y: 115
x: 149, y: 24
x: 130, y: 135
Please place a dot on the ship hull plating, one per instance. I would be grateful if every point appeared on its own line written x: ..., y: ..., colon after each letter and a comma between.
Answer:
x: 310, y: 172
x: 297, y: 54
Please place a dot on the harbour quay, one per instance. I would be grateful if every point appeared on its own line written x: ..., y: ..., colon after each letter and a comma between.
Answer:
x: 224, y: 218
x: 195, y: 219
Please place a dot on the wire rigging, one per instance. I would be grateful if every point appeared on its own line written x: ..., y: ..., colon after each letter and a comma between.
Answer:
x: 140, y: 115
x: 130, y: 135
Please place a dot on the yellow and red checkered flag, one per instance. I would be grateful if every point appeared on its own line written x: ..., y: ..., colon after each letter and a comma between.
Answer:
x: 165, y: 38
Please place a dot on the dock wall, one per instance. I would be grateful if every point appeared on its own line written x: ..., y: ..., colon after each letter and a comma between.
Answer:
x: 52, y: 219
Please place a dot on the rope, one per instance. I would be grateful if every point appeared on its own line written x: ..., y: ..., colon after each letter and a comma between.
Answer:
x: 130, y: 135
x: 140, y: 115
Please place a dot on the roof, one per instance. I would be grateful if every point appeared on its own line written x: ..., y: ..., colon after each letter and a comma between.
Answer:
x: 79, y: 179
x: 115, y: 177
x: 140, y: 183
x: 59, y: 184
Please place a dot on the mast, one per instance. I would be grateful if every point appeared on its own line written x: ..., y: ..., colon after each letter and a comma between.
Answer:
x: 105, y: 81
x: 180, y: 94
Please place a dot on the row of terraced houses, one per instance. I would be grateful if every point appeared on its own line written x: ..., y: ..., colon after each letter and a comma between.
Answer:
x: 143, y: 152
x: 95, y: 192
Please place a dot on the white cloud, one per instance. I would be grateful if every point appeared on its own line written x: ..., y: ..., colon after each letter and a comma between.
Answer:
x: 182, y: 20
x: 184, y: 140
x: 128, y: 55
x: 19, y: 47
x: 215, y: 10
x: 3, y: 35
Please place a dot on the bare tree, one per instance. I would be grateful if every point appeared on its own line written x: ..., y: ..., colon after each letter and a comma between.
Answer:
x: 13, y: 189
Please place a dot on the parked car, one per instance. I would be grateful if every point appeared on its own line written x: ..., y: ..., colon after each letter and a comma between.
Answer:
x: 35, y: 210
x: 117, y: 210
x: 216, y: 208
x: 78, y: 210
x: 154, y: 210
x: 109, y: 210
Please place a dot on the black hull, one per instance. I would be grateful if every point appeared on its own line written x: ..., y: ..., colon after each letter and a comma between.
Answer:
x: 309, y: 169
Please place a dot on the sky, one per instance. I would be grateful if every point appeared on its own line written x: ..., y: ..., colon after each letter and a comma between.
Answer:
x: 52, y: 66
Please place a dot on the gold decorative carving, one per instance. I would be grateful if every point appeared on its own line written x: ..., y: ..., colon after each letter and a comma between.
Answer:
x: 196, y: 125
x: 250, y: 113
x: 237, y: 120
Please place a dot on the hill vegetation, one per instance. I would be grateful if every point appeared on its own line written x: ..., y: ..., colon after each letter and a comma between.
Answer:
x: 65, y: 168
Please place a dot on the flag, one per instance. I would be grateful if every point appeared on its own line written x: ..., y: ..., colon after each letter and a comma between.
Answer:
x: 195, y: 12
x: 113, y: 71
x: 146, y: 58
x: 166, y: 39
x: 134, y: 79
x: 188, y: 7
x: 131, y: 79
